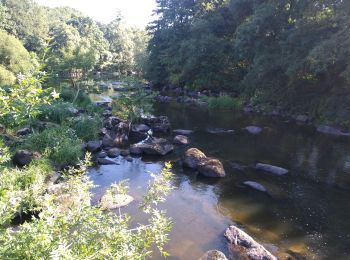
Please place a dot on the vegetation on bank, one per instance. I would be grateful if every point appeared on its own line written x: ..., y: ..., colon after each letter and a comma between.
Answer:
x: 286, y: 55
x: 62, y: 223
x: 48, y: 57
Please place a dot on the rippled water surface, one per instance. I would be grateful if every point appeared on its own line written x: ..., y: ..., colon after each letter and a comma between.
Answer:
x: 306, y: 213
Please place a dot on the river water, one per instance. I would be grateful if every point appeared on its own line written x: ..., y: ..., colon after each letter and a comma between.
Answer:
x: 306, y: 214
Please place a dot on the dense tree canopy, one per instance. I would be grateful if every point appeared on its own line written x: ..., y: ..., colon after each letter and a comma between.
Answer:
x: 292, y: 54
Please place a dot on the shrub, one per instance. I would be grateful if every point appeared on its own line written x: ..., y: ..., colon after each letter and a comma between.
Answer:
x: 60, y: 144
x: 87, y: 127
x: 84, y: 232
x: 223, y: 102
x: 131, y: 106
x: 57, y: 112
x: 21, y: 190
x: 68, y: 94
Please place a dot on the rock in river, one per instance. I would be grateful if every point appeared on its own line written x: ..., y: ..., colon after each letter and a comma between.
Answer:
x: 113, y: 152
x: 254, y: 130
x: 210, y: 167
x: 182, y: 132
x: 106, y: 161
x: 156, y: 146
x: 109, y: 201
x: 94, y: 146
x: 329, y: 130
x: 220, y: 131
x: 271, y: 169
x: 193, y: 157
x: 213, y: 255
x: 243, y: 246
x: 181, y: 139
x: 256, y: 186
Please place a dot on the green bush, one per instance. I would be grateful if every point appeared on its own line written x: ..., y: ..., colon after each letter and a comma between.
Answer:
x: 60, y: 144
x: 87, y: 127
x: 57, y: 112
x: 68, y: 94
x: 223, y: 103
x: 69, y: 228
x: 21, y: 190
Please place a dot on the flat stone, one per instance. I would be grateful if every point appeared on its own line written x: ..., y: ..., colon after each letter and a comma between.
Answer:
x: 182, y: 132
x: 271, y: 169
x: 181, y: 139
x: 256, y: 186
x: 219, y: 131
x: 329, y: 130
x: 106, y: 161
x: 110, y: 202
x: 156, y: 146
x: 254, y: 130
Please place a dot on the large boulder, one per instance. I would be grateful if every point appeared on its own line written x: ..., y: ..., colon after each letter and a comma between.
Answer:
x: 23, y: 158
x: 94, y: 146
x: 271, y: 169
x: 193, y: 157
x: 108, y: 141
x: 213, y: 255
x: 181, y: 139
x: 211, y: 167
x: 155, y: 146
x: 113, y: 152
x: 140, y: 128
x: 159, y: 124
x: 111, y: 122
x: 243, y: 246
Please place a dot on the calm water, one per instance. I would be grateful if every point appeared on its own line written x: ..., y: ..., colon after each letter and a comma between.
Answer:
x: 307, y: 213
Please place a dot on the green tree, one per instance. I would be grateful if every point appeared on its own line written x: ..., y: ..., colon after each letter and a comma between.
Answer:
x: 14, y: 59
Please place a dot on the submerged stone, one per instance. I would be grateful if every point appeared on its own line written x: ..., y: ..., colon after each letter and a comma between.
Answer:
x: 271, y: 169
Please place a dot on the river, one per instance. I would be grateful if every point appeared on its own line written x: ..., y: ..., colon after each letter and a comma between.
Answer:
x: 306, y: 213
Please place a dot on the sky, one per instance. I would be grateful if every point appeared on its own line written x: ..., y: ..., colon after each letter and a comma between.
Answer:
x: 135, y: 12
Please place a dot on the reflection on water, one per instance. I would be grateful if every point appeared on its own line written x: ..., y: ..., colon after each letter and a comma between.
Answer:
x: 305, y: 213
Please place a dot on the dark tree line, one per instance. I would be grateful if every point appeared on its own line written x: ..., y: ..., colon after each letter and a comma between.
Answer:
x: 290, y: 54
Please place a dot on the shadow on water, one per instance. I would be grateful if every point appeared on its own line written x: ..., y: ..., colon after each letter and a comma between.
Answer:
x: 305, y: 213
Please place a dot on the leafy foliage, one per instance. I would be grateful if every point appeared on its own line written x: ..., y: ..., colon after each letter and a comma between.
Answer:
x: 80, y: 231
x: 87, y: 127
x: 285, y: 54
x: 131, y: 106
x: 60, y: 144
x: 22, y: 101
